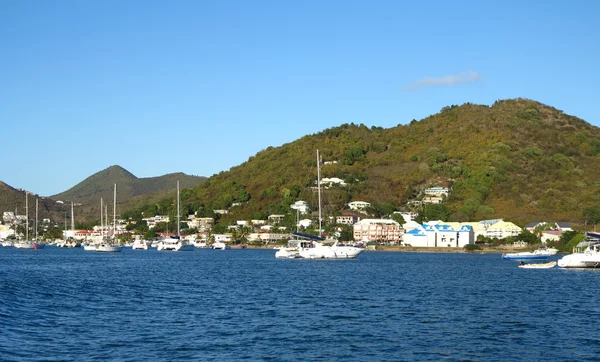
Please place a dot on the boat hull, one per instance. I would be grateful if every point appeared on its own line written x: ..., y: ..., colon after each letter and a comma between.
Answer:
x: 525, y: 257
x: 579, y: 261
x: 548, y: 265
x: 108, y: 249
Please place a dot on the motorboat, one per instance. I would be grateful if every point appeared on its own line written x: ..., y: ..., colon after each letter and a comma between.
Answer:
x: 585, y: 255
x: 219, y: 245
x: 548, y: 265
x: 7, y: 244
x: 541, y: 253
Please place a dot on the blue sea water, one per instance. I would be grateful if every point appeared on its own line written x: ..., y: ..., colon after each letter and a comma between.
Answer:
x: 71, y: 305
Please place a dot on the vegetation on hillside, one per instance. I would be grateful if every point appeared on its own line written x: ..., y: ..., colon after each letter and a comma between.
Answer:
x: 518, y: 159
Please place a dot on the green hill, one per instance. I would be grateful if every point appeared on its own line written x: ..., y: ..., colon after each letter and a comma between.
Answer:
x: 86, y: 194
x: 518, y: 159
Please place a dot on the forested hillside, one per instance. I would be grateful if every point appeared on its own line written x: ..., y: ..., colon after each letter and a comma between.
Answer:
x: 518, y: 159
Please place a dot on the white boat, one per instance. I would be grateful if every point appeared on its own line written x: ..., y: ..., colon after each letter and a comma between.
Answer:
x: 109, y: 246
x: 541, y: 253
x: 25, y: 244
x: 585, y: 255
x: 141, y: 244
x: 89, y: 246
x: 175, y: 243
x: 8, y: 244
x: 547, y: 265
x: 313, y: 247
x: 219, y: 245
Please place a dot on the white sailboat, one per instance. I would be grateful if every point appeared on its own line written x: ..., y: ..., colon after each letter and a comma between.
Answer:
x: 313, y: 247
x: 26, y: 244
x: 175, y: 243
x: 107, y: 246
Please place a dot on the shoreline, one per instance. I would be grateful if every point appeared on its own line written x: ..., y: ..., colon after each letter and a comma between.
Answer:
x: 403, y: 249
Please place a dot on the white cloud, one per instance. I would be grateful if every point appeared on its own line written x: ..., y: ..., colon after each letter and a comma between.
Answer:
x: 461, y: 78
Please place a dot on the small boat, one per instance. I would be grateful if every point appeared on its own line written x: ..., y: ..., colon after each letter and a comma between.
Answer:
x: 547, y: 265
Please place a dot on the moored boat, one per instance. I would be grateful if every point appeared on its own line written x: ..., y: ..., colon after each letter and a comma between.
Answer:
x: 547, y: 265
x: 175, y: 243
x: 585, y: 255
x: 542, y: 253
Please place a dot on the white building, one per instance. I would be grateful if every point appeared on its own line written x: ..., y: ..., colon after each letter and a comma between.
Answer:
x: 152, y: 221
x: 276, y: 218
x: 437, y: 191
x: 358, y: 205
x: 301, y: 206
x: 223, y: 238
x: 331, y: 181
x: 347, y: 219
x: 439, y: 236
x: 305, y: 223
x: 267, y: 237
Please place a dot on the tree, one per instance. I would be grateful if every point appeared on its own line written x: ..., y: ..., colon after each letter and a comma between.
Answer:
x: 150, y: 234
x: 398, y: 218
x: 528, y: 237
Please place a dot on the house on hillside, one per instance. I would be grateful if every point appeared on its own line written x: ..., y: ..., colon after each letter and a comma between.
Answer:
x: 437, y: 191
x: 301, y: 206
x: 563, y: 226
x: 347, y: 219
x: 276, y: 218
x: 328, y: 182
x: 432, y: 200
x: 358, y: 205
x: 550, y: 235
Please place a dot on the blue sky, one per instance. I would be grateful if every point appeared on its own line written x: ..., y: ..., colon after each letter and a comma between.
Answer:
x: 200, y: 86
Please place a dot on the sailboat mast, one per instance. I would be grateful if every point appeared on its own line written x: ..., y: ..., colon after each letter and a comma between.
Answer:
x: 115, y: 214
x: 26, y: 218
x: 36, y: 220
x: 319, y: 188
x: 72, y: 217
x: 101, y: 219
x: 178, y: 208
